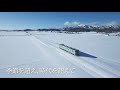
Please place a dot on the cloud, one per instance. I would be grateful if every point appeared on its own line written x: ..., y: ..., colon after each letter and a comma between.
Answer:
x: 113, y: 23
x: 66, y: 23
x: 71, y: 24
x: 95, y: 24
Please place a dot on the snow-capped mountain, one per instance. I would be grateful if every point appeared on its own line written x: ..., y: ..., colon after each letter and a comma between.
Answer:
x: 92, y: 27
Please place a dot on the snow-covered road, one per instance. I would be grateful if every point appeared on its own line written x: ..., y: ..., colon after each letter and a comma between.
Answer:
x: 20, y: 53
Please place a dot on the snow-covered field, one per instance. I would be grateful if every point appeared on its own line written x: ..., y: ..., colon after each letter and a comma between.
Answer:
x: 38, y: 55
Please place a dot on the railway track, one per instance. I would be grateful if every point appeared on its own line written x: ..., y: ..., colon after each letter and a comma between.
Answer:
x: 97, y: 67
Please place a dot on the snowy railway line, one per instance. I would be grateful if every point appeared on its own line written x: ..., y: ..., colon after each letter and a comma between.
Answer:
x: 48, y: 54
x: 102, y: 69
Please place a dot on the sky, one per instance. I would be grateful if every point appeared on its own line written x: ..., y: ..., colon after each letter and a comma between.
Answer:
x: 36, y: 20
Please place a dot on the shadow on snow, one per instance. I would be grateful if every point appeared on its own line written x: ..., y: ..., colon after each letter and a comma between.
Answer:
x: 82, y: 54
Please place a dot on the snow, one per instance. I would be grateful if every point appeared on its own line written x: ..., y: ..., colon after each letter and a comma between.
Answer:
x: 99, y: 55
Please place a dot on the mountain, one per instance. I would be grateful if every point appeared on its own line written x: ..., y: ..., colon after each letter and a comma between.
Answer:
x: 87, y: 28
